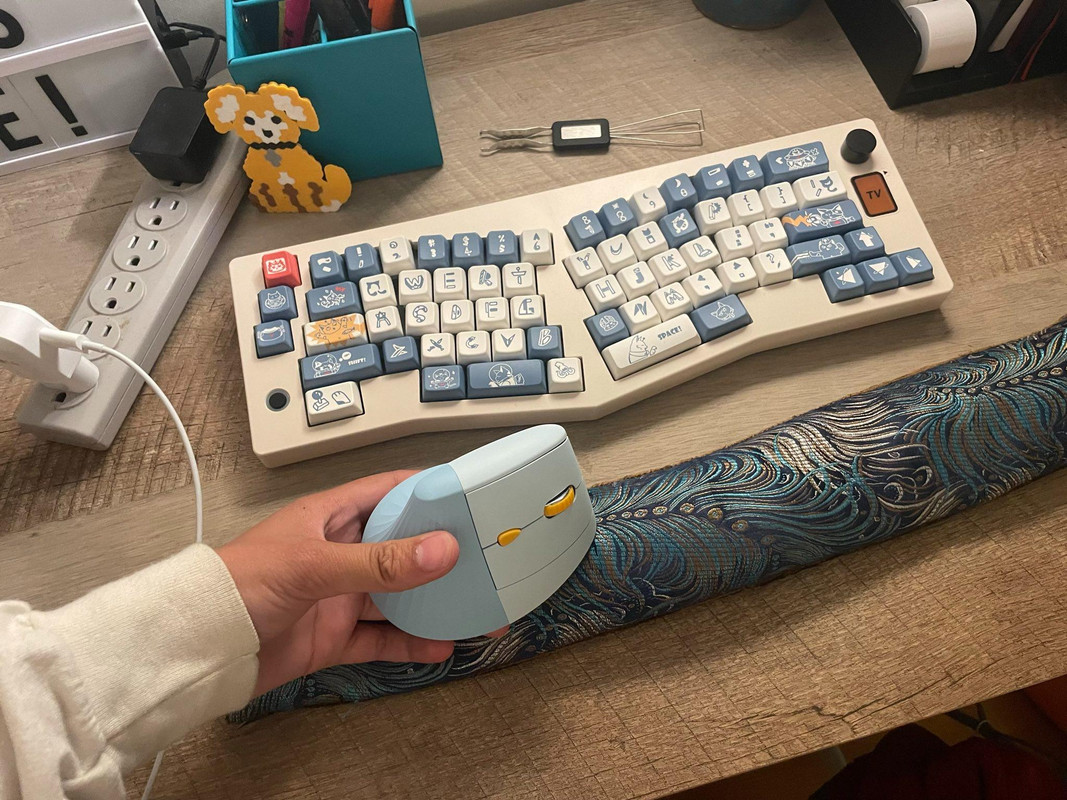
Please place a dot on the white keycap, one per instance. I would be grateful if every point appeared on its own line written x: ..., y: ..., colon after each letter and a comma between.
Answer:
x: 735, y: 243
x: 414, y: 286
x: 768, y: 234
x: 737, y: 276
x: 703, y: 287
x: 668, y: 267
x: 637, y: 280
x: 818, y: 189
x: 772, y: 267
x: 648, y: 205
x: 639, y: 314
x: 616, y: 253
x: 377, y: 292
x: 700, y: 254
x: 713, y: 216
x: 457, y: 315
x: 745, y: 207
x: 778, y: 199
x: 584, y: 267
x: 491, y: 313
x: 384, y: 323
x: 483, y: 282
x: 605, y: 293
x: 396, y: 256
x: 449, y: 283
x: 651, y: 346
x: 437, y: 349
x: 334, y: 333
x: 509, y: 344
x: 518, y: 279
x: 472, y: 347
x: 647, y: 240
x: 670, y: 301
x: 535, y: 247
x: 420, y: 318
x: 527, y: 311
x: 564, y: 375
x: 330, y: 403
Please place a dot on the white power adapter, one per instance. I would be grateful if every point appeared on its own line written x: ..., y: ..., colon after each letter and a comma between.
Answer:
x: 25, y: 352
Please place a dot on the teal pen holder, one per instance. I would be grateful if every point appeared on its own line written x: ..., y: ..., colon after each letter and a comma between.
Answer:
x: 369, y: 91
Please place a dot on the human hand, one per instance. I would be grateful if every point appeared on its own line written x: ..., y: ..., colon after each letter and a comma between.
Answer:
x: 304, y: 576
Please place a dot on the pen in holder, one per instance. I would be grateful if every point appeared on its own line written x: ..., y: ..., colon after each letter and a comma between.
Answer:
x: 370, y: 91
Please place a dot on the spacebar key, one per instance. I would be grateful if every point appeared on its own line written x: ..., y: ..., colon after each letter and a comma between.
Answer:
x: 651, y: 346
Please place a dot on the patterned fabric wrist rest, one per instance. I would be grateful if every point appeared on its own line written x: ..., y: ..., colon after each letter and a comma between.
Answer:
x: 860, y: 470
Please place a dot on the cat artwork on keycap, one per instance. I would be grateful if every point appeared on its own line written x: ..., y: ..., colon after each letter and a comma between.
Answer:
x: 640, y: 349
x: 723, y: 311
x: 274, y: 300
x: 442, y: 379
x: 504, y: 375
x: 326, y: 365
x: 800, y: 157
x: 827, y: 249
x: 823, y: 216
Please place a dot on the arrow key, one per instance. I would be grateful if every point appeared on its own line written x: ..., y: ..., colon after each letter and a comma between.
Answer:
x: 913, y: 266
x: 864, y: 244
x: 843, y: 283
x: 879, y: 275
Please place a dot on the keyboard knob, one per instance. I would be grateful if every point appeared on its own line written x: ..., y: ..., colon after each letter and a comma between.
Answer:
x: 858, y: 146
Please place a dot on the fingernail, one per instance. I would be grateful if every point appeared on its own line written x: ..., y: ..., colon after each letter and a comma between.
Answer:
x: 434, y: 552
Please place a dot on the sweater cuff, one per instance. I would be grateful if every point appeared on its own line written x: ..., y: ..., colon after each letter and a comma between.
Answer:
x: 161, y: 651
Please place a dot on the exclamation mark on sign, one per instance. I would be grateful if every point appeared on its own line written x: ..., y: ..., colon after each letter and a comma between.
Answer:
x: 50, y: 89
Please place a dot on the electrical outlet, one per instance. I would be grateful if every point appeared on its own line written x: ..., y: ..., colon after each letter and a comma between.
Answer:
x: 161, y: 249
x: 136, y: 250
x: 100, y: 329
x: 161, y: 211
x: 116, y: 294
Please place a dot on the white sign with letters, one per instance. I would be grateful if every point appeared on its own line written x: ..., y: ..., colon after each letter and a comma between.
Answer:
x: 75, y: 77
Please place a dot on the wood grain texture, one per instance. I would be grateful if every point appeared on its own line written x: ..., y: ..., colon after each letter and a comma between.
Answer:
x: 960, y: 611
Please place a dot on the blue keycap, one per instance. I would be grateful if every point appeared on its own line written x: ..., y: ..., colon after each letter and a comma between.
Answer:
x: 278, y: 302
x: 678, y: 228
x: 863, y: 244
x: 913, y: 266
x: 719, y: 317
x: 679, y: 192
x: 814, y: 223
x: 713, y: 181
x: 544, y: 342
x: 400, y: 354
x: 501, y: 247
x: 843, y: 283
x: 879, y: 275
x: 617, y: 217
x: 468, y: 250
x: 585, y: 230
x: 326, y: 268
x: 361, y: 260
x: 606, y: 328
x: 351, y: 364
x: 432, y: 252
x: 812, y: 257
x: 443, y: 383
x: 333, y: 301
x: 506, y: 378
x: 791, y: 163
x: 745, y: 173
x: 273, y: 338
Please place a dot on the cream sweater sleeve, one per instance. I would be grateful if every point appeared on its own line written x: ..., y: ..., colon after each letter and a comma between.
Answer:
x: 89, y: 690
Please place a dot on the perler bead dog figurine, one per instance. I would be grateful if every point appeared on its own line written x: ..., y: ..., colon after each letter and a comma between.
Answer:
x: 285, y: 176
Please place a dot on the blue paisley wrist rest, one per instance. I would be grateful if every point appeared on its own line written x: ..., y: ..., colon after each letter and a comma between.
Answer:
x: 860, y: 470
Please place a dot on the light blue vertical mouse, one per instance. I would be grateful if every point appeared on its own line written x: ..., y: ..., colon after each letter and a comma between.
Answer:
x: 521, y: 513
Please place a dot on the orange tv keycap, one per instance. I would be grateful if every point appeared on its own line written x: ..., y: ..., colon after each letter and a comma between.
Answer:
x: 874, y: 194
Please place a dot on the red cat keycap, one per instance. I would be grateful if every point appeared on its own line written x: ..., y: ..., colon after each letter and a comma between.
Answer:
x: 280, y: 269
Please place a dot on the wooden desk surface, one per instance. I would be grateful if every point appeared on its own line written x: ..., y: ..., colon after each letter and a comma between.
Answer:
x: 958, y: 612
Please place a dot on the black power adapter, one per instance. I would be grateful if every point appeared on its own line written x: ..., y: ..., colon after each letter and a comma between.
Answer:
x: 176, y: 141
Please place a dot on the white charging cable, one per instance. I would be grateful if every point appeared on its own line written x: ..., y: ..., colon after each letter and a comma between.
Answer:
x: 76, y: 341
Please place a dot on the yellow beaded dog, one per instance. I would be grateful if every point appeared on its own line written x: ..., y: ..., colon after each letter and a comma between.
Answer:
x: 285, y: 176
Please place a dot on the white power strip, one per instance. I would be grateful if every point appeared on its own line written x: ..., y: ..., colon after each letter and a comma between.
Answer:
x: 136, y: 296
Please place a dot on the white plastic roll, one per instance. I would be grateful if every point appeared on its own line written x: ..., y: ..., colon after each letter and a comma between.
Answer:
x: 948, y: 30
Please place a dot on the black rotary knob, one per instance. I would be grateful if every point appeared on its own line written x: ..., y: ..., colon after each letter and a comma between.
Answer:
x: 858, y: 146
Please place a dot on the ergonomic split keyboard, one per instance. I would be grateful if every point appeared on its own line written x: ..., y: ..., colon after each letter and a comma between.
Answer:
x: 575, y: 302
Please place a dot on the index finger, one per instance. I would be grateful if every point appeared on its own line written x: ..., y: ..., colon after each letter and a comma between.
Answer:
x: 347, y: 507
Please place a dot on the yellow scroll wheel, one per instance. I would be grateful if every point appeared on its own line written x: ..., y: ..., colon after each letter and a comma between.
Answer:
x: 560, y: 503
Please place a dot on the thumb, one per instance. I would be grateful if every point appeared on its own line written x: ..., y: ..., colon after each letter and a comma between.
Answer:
x: 383, y: 566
